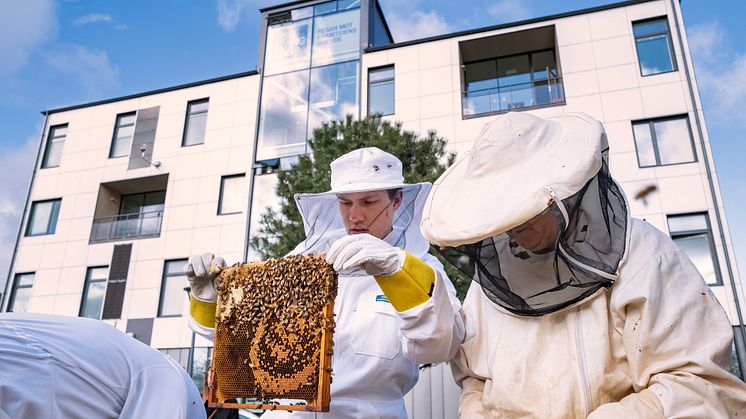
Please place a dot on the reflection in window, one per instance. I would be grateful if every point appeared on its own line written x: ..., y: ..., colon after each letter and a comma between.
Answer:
x: 196, y: 122
x: 518, y: 81
x: 282, y: 124
x: 20, y: 295
x: 691, y: 232
x: 94, y: 292
x: 263, y: 197
x: 336, y: 38
x: 43, y: 218
x: 654, y: 48
x: 381, y: 91
x: 663, y: 141
x: 288, y: 47
x: 123, y: 133
x: 141, y: 214
x: 55, y: 142
x: 173, y: 295
x: 232, y: 194
x: 333, y: 93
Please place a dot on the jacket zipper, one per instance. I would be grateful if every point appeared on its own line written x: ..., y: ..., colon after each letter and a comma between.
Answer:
x: 581, y: 362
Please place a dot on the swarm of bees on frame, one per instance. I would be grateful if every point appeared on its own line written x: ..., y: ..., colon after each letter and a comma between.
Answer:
x: 269, y: 325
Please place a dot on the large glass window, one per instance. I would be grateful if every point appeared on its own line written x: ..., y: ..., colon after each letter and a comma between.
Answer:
x: 123, y: 133
x: 664, y: 141
x: 654, y: 47
x: 516, y: 81
x: 691, y: 232
x: 173, y: 295
x: 233, y: 194
x: 262, y: 199
x: 21, y: 292
x: 141, y: 214
x: 310, y: 74
x: 94, y: 292
x: 55, y: 142
x: 381, y: 91
x: 196, y: 122
x: 201, y: 362
x: 43, y: 218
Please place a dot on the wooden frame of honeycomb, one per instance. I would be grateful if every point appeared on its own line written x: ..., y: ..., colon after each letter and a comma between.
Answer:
x: 274, y: 324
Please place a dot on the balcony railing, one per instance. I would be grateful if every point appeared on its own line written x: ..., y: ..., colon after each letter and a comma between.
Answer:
x: 527, y: 95
x: 144, y: 224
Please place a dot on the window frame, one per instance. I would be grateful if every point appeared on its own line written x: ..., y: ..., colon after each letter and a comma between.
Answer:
x: 114, y: 136
x: 710, y: 240
x: 222, y: 190
x: 669, y: 38
x: 187, y: 120
x: 47, y: 145
x: 654, y: 138
x: 87, y: 282
x: 531, y: 73
x: 392, y: 79
x: 53, y: 217
x: 14, y: 289
x: 164, y: 279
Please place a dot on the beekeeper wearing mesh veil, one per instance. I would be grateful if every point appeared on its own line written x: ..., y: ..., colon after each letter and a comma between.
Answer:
x: 395, y: 306
x: 575, y: 310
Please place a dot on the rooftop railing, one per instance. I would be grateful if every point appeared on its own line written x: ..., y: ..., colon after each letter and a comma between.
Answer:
x: 498, y: 99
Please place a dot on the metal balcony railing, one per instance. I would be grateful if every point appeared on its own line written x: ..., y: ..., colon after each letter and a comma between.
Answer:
x: 526, y: 95
x: 143, y: 224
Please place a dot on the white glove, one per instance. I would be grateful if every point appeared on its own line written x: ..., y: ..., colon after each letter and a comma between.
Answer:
x: 201, y: 271
x: 374, y: 255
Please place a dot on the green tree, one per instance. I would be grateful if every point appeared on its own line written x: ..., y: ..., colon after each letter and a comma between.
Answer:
x: 423, y: 160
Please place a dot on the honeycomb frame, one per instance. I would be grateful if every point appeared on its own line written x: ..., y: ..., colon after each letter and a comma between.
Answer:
x: 274, y: 325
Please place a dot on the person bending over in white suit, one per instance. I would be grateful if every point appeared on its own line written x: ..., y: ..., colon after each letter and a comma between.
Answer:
x: 72, y: 367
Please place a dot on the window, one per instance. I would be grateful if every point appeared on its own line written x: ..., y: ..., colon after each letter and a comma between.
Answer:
x: 21, y: 292
x: 232, y: 194
x: 196, y: 121
x: 201, y: 362
x: 173, y: 295
x: 511, y: 82
x: 691, y: 232
x: 53, y: 151
x: 94, y: 291
x: 43, y: 218
x: 654, y: 47
x: 664, y: 141
x: 381, y: 91
x: 123, y: 133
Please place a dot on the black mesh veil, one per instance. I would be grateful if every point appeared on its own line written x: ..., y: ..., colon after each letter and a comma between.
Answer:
x: 586, y: 256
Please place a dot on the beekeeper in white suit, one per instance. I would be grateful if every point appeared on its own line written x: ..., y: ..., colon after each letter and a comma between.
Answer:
x: 71, y: 367
x: 395, y: 306
x: 576, y: 310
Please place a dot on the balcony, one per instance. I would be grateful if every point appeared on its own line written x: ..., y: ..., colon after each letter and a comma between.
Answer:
x: 127, y: 226
x: 526, y: 95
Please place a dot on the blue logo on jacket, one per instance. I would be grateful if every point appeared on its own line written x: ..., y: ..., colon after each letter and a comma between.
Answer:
x: 382, y: 298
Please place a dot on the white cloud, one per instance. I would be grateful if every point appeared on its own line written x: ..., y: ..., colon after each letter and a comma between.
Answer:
x: 230, y: 12
x: 407, y: 23
x: 17, y: 163
x: 93, y: 18
x: 509, y: 10
x: 24, y: 26
x: 91, y: 68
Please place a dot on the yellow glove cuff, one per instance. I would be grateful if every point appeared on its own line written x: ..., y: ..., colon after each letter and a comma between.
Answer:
x: 202, y: 312
x: 411, y: 286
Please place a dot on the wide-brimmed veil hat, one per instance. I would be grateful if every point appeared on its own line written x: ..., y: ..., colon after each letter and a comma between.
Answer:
x: 363, y: 170
x: 521, y: 166
x: 508, y: 177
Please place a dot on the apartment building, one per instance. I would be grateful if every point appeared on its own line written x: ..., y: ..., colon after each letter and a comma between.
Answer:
x: 125, y: 190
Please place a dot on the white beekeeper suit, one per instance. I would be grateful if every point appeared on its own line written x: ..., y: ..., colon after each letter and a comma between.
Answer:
x: 612, y: 321
x: 385, y: 325
x: 70, y: 367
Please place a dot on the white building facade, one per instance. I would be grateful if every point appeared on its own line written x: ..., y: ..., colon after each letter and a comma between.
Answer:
x: 125, y: 190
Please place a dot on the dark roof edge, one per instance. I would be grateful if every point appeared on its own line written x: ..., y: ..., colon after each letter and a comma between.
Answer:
x: 152, y: 92
x: 506, y: 25
x: 282, y: 5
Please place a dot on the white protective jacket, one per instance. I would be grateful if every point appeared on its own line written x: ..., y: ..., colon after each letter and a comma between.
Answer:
x: 657, y: 344
x: 70, y: 367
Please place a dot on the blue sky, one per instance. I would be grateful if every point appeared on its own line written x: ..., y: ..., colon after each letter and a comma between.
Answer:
x: 59, y: 53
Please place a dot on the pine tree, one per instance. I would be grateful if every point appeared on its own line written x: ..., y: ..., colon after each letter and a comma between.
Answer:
x: 423, y: 160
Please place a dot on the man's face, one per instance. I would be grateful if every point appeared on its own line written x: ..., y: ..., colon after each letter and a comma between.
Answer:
x: 539, y: 234
x: 369, y: 212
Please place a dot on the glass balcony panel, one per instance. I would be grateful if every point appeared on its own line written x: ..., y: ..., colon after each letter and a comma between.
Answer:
x: 143, y: 224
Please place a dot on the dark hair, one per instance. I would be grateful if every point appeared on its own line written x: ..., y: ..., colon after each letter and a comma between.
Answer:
x: 392, y: 192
